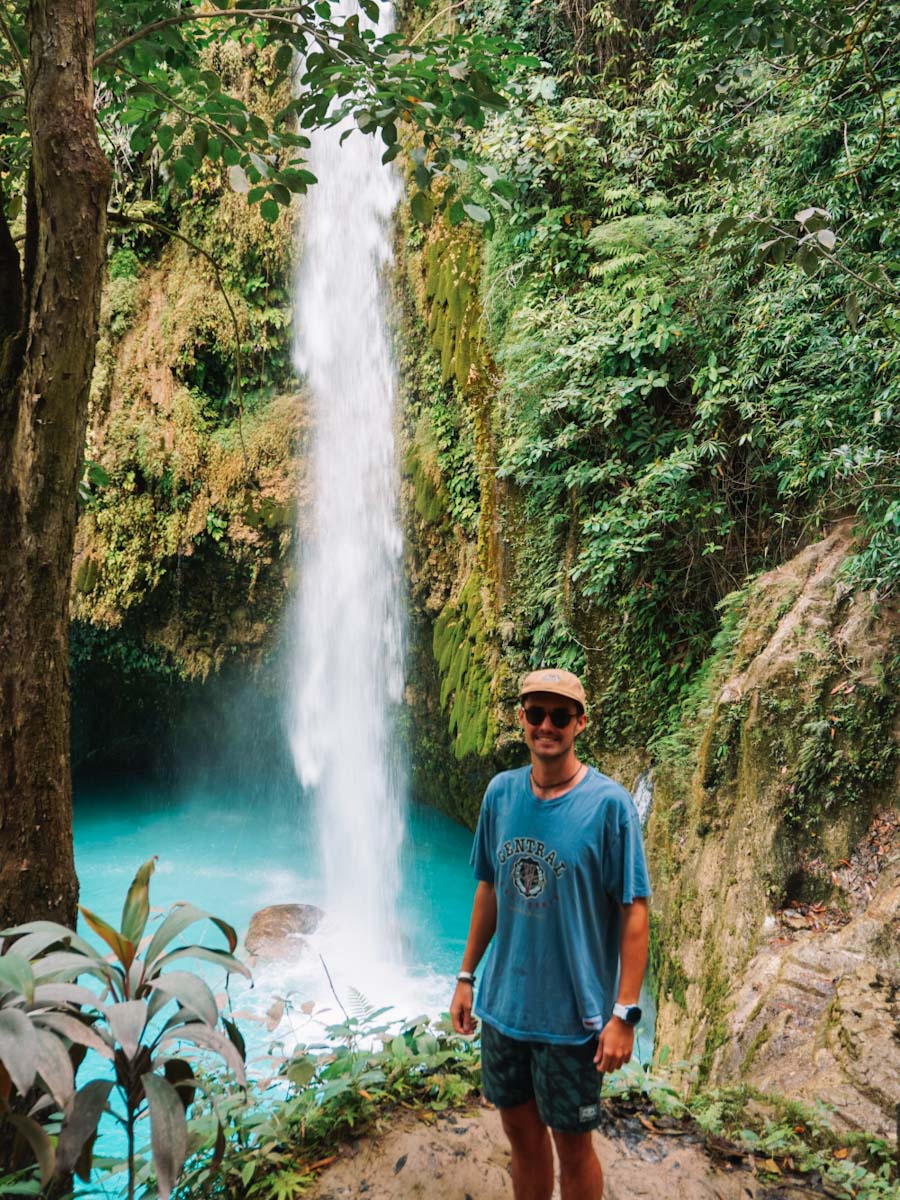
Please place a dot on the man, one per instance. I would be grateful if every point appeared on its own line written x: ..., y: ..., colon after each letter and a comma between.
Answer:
x: 563, y: 892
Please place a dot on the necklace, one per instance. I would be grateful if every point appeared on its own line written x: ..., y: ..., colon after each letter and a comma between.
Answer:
x: 544, y: 787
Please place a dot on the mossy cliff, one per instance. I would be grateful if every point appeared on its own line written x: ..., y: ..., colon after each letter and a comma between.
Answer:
x: 482, y: 572
x: 192, y: 484
x: 785, y: 757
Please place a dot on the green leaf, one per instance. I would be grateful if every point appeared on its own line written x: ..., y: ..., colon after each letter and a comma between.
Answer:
x: 136, y: 908
x: 422, y: 208
x: 97, y: 475
x: 852, y: 309
x: 18, y: 1048
x: 16, y: 974
x: 280, y: 194
x: 168, y: 1132
x: 165, y: 135
x: 808, y: 259
x: 88, y: 1106
x: 301, y: 1070
x: 284, y: 56
x: 183, y: 169
x: 269, y: 210
x: 476, y: 213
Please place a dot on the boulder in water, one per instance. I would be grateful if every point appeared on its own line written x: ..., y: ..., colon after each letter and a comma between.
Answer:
x: 276, y: 932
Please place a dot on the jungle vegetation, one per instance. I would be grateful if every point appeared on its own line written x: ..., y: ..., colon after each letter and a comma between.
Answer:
x: 95, y: 105
x: 685, y: 310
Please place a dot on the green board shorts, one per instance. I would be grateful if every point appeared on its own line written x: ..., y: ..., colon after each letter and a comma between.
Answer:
x: 562, y: 1079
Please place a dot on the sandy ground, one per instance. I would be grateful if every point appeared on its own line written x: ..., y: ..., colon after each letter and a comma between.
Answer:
x: 463, y: 1156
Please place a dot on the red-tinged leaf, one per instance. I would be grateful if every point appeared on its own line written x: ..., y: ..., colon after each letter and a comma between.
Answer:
x: 204, y: 1038
x: 190, y: 991
x: 55, y: 1067
x: 36, y: 1137
x: 66, y: 993
x: 136, y: 908
x: 85, y: 1160
x: 181, y: 1076
x: 18, y: 1048
x: 122, y: 947
x: 127, y: 1022
x: 168, y: 1132
x: 219, y: 1150
x: 62, y: 965
x: 75, y: 1030
x: 87, y: 1107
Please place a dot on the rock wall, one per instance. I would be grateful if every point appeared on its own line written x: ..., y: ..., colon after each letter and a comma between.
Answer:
x: 771, y: 965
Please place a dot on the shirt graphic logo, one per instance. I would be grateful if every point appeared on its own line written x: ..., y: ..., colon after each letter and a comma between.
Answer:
x: 529, y: 877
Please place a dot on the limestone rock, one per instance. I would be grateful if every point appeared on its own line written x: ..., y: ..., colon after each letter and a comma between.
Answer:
x: 771, y: 840
x: 819, y: 1017
x: 276, y: 932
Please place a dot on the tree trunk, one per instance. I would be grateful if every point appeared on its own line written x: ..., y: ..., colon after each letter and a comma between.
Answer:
x: 49, y: 333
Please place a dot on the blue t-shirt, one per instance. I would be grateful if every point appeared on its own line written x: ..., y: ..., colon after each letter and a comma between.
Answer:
x: 560, y: 869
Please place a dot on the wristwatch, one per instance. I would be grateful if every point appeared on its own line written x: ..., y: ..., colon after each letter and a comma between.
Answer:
x: 629, y: 1013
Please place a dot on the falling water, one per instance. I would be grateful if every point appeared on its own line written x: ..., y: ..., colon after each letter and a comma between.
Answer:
x: 348, y: 645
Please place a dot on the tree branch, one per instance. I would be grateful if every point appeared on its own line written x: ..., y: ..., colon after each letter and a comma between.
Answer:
x: 286, y: 15
x: 119, y: 218
x: 17, y: 54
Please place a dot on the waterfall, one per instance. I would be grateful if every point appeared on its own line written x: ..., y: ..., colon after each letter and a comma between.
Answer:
x: 642, y: 794
x: 347, y: 668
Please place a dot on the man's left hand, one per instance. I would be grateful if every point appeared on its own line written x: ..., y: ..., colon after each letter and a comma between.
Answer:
x: 614, y: 1045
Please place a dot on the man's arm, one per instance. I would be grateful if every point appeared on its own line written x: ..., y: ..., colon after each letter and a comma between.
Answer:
x: 481, y: 930
x: 616, y: 1040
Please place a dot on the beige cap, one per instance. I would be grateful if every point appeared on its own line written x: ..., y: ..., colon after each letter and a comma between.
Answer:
x: 555, y: 680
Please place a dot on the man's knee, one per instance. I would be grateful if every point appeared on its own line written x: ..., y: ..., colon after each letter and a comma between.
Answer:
x: 573, y: 1149
x: 522, y: 1124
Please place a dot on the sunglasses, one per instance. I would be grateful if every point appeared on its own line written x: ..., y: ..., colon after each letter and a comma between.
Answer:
x: 560, y: 717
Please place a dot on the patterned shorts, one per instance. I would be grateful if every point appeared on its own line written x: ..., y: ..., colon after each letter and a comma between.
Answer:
x: 563, y: 1080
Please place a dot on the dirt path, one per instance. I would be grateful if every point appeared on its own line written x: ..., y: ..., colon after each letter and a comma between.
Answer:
x: 463, y: 1156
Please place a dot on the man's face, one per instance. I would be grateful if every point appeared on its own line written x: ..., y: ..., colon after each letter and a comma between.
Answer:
x: 545, y: 740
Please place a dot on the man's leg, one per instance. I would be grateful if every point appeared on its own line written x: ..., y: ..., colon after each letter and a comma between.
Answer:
x: 507, y: 1082
x: 580, y: 1173
x: 532, y: 1154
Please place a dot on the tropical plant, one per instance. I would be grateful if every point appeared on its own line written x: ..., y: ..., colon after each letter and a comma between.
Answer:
x: 285, y: 1129
x: 50, y: 1022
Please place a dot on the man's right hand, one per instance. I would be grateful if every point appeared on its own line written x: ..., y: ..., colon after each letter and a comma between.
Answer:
x: 461, y: 1009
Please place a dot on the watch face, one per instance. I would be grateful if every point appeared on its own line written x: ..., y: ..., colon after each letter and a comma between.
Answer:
x: 633, y: 1015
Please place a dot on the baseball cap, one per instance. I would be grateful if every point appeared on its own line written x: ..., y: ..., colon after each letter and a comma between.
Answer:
x: 555, y: 680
